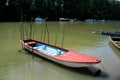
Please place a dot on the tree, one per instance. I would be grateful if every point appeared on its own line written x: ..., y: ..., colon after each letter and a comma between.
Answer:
x: 25, y: 10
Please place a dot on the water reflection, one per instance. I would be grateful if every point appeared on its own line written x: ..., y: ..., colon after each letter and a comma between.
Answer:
x: 43, y: 69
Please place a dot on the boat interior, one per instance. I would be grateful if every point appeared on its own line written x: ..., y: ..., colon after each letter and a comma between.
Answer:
x: 45, y: 48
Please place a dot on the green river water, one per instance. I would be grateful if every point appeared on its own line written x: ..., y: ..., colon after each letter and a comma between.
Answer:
x: 17, y: 64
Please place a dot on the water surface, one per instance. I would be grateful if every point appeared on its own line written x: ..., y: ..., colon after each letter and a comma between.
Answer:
x: 17, y: 64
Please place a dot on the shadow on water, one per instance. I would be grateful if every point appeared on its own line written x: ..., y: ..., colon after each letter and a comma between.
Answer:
x: 115, y: 49
x: 83, y: 70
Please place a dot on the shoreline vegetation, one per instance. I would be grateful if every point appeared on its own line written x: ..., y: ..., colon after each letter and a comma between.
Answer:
x: 83, y: 10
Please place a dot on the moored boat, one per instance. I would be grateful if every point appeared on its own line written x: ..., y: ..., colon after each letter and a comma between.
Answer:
x: 59, y: 55
x: 64, y: 19
x: 115, y: 40
x: 117, y: 33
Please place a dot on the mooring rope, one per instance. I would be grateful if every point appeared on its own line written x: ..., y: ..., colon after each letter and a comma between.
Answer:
x: 55, y: 40
x: 63, y: 36
x: 104, y: 68
x: 47, y: 32
x: 26, y: 32
x: 22, y: 32
x: 44, y: 34
x: 41, y: 36
x: 30, y: 34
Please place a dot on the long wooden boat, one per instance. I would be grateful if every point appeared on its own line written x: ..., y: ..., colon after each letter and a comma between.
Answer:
x: 115, y: 40
x: 59, y: 55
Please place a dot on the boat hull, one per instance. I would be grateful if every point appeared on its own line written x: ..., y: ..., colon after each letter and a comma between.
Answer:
x: 65, y: 63
x: 115, y: 40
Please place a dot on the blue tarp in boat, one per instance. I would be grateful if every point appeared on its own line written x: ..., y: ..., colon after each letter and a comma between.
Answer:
x: 49, y: 49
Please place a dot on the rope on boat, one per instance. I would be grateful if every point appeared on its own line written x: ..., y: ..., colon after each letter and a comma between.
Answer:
x: 55, y: 40
x: 104, y: 68
x: 22, y: 32
x: 63, y: 36
x: 21, y: 29
x: 44, y: 33
x: 47, y: 32
x: 41, y: 36
x: 33, y: 33
x: 30, y: 34
x: 26, y: 31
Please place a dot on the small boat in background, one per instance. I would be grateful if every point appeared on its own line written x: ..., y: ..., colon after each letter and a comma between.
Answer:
x: 117, y: 33
x: 115, y: 40
x: 59, y: 55
x: 64, y: 19
x: 114, y: 37
x: 39, y: 20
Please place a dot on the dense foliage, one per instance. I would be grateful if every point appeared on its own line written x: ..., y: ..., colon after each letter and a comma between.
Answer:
x: 17, y: 10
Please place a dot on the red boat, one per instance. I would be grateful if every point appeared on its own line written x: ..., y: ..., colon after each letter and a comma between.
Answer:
x: 59, y: 55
